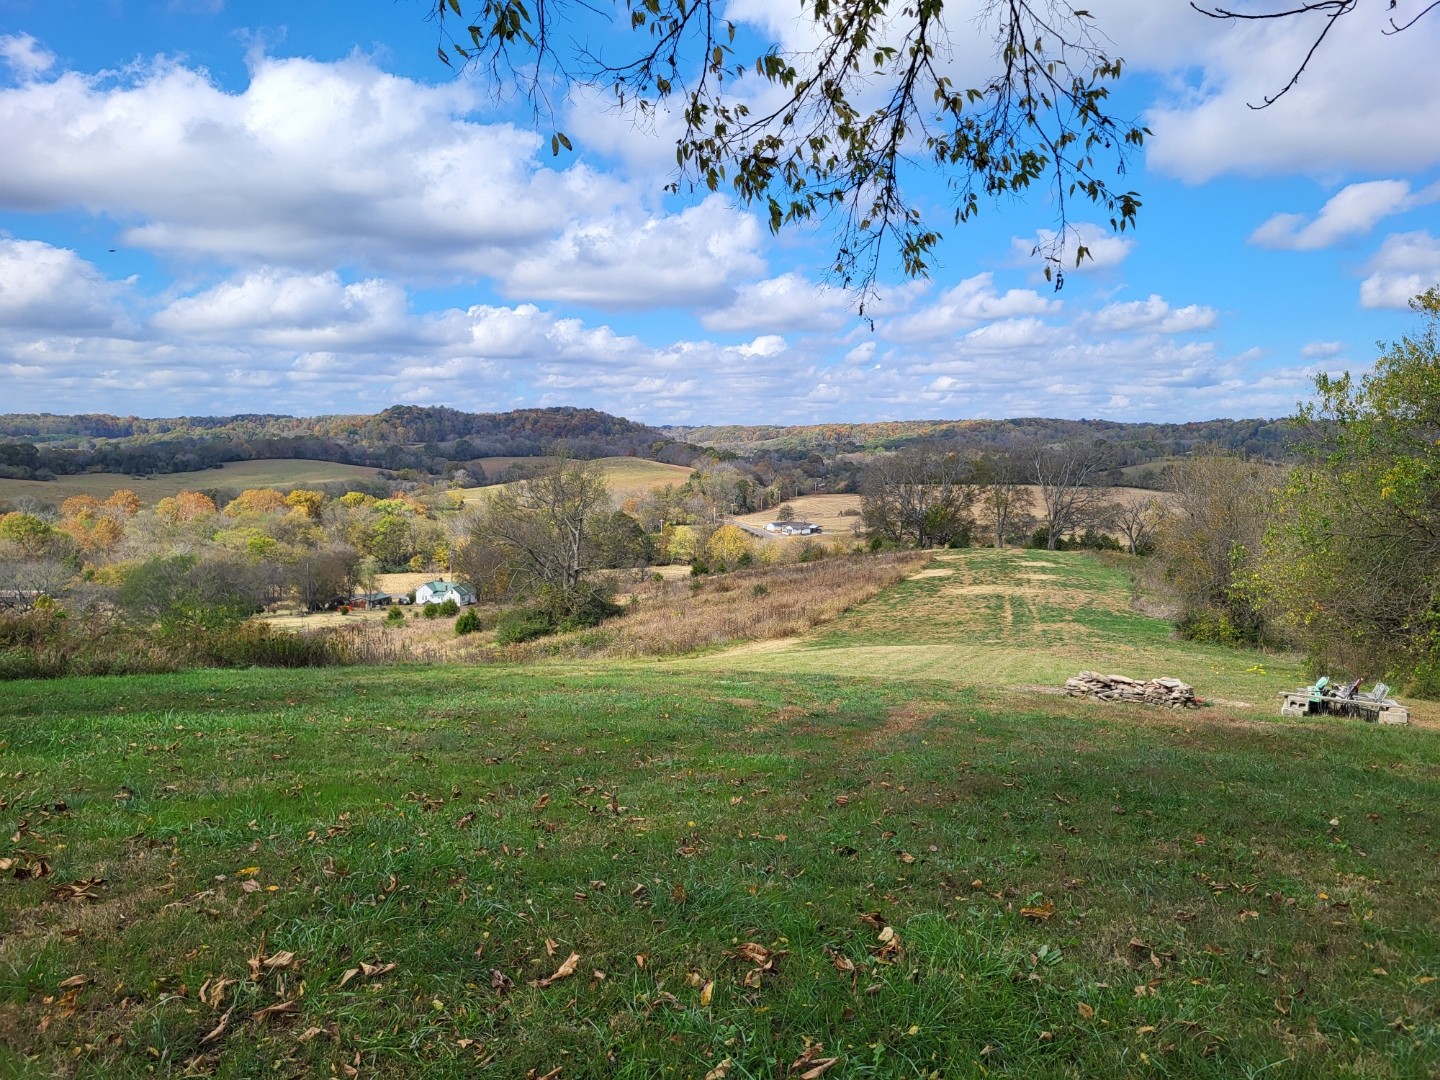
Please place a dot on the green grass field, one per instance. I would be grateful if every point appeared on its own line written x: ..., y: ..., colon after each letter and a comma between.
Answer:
x: 798, y: 862
x: 1015, y: 618
x: 236, y: 474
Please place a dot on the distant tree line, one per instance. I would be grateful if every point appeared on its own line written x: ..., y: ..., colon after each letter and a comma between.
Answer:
x: 1127, y: 445
x: 426, y: 442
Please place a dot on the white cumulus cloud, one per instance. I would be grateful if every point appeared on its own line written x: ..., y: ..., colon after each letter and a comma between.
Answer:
x: 317, y: 165
x: 1365, y: 101
x: 1153, y: 315
x: 49, y: 288
x: 25, y: 56
x: 1105, y: 250
x: 787, y: 302
x: 1406, y: 265
x: 1352, y: 211
x: 973, y: 301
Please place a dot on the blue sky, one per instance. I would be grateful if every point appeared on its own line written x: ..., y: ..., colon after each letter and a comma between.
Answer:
x: 218, y: 207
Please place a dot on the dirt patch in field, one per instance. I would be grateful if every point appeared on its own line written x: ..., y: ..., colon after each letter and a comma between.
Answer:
x: 904, y: 719
x: 932, y: 572
x: 1037, y: 594
x: 785, y: 715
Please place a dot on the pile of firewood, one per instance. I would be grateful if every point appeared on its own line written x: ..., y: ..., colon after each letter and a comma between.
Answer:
x: 1169, y: 693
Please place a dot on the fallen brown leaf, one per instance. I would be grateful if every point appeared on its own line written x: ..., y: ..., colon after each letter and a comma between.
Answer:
x: 84, y: 889
x: 755, y: 953
x: 564, y: 971
x: 279, y: 1008
x: 218, y: 1029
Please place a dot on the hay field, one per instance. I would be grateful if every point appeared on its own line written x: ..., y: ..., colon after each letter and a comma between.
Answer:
x: 824, y: 510
x: 628, y: 477
x: 236, y: 474
x: 829, y: 511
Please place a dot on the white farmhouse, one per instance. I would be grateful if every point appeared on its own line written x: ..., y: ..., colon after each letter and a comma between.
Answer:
x: 437, y: 592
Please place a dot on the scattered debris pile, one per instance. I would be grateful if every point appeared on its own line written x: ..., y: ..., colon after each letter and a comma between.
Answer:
x: 1344, y: 699
x: 1168, y: 693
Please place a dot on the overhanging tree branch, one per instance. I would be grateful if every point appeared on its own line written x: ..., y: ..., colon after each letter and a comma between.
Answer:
x: 870, y: 104
x: 1332, y: 10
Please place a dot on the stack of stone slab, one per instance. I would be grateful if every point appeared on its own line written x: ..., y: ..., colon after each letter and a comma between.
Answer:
x: 1168, y: 693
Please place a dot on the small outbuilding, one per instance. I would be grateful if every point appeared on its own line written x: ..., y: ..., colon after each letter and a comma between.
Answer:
x: 792, y: 528
x: 361, y: 601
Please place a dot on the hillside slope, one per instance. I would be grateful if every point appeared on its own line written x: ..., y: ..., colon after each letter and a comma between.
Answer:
x: 998, y: 619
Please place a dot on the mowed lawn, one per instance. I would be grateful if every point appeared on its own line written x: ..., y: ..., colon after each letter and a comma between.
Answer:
x: 236, y: 474
x: 1020, y: 620
x: 662, y: 869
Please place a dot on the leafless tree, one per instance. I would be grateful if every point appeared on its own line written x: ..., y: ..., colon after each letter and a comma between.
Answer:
x: 1006, y: 505
x: 24, y: 580
x: 1137, y: 521
x: 1066, y: 474
x: 919, y: 495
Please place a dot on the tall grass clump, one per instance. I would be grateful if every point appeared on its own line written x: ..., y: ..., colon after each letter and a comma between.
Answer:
x: 51, y: 643
x: 668, y: 618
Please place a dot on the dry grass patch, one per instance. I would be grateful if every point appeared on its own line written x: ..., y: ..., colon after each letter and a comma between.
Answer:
x: 627, y: 477
x: 904, y: 719
x: 833, y: 513
x: 668, y: 618
x: 237, y: 475
x: 662, y: 618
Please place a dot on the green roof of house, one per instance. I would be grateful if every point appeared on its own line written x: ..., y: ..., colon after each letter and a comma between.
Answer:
x: 446, y: 586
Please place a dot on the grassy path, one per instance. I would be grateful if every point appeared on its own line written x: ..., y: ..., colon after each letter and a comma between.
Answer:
x: 1015, y: 618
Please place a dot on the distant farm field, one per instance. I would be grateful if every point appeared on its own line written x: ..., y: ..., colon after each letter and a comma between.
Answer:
x: 628, y: 477
x: 827, y: 511
x: 236, y: 474
x: 836, y: 514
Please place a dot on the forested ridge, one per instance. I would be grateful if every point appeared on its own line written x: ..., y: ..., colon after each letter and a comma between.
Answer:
x: 438, y: 441
x: 1269, y: 439
x: 404, y: 437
